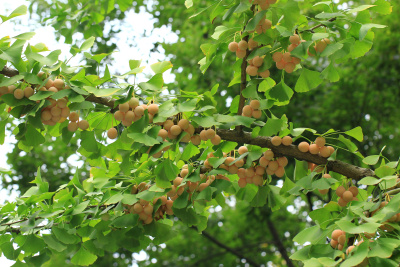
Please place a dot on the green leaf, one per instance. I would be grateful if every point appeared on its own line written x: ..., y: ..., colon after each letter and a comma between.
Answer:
x: 350, y: 145
x: 53, y: 243
x: 19, y: 11
x: 33, y: 137
x: 165, y: 173
x: 272, y: 127
x: 384, y: 171
x: 371, y: 160
x: 366, y: 27
x: 382, y: 7
x: 330, y: 73
x: 282, y: 93
x: 383, y: 247
x: 88, y: 43
x: 369, y: 180
x: 41, y: 95
x: 83, y: 257
x: 161, y: 67
x: 133, y: 64
x: 101, y: 92
x: 307, y: 81
x: 356, y: 133
x: 63, y: 236
x: 359, y: 8
x: 251, y: 26
x: 351, y: 228
x: 188, y: 3
x: 143, y: 138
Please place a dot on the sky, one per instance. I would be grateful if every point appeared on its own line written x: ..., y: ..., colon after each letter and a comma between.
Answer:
x: 45, y: 34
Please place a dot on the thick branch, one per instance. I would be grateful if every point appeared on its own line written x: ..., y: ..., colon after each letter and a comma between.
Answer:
x: 278, y: 242
x: 231, y: 250
x: 6, y: 71
x: 337, y: 166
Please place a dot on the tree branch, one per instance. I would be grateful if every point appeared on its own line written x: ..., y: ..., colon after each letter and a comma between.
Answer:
x: 278, y: 242
x: 231, y: 250
x: 318, y: 26
x: 337, y: 166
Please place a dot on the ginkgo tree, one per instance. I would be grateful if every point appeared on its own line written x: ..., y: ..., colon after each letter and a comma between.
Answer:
x: 160, y: 159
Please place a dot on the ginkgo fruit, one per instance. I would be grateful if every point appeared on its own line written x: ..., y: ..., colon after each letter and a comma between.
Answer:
x: 233, y: 46
x: 276, y: 141
x: 59, y: 84
x: 19, y: 94
x: 72, y: 126
x: 73, y: 116
x: 28, y: 92
x: 83, y: 125
x: 153, y: 109
x: 112, y: 133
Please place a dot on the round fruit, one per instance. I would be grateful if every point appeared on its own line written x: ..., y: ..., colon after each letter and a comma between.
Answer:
x: 269, y: 155
x: 258, y: 61
x: 28, y: 92
x: 276, y: 141
x: 73, y: 116
x: 341, y: 202
x: 273, y: 165
x: 233, y: 46
x: 19, y: 94
x: 123, y: 107
x: 72, y: 126
x: 216, y: 140
x: 242, y: 45
x: 55, y: 111
x: 65, y: 112
x: 168, y: 124
x: 163, y: 133
x: 324, y: 152
x: 175, y: 130
x: 320, y: 141
x: 264, y: 74
x: 287, y: 140
x: 53, y: 89
x: 184, y: 124
x: 59, y: 84
x: 210, y: 133
x: 83, y: 125
x: 62, y: 103
x: 203, y: 135
x: 336, y: 234
x: 295, y: 39
x: 340, y: 190
x: 196, y: 140
x: 133, y: 102
x: 46, y: 115
x: 241, y: 53
x: 112, y: 133
x: 242, y: 150
x: 304, y: 147
x: 251, y: 70
x: 289, y: 67
x: 247, y: 111
x: 347, y: 196
x: 153, y: 109
x: 280, y: 171
x: 49, y: 83
x: 353, y: 190
x: 255, y: 104
x: 129, y: 115
x: 314, y: 149
x: 256, y: 114
x: 139, y: 111
x: 277, y: 56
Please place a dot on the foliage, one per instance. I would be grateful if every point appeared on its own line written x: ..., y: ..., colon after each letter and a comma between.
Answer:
x: 101, y: 213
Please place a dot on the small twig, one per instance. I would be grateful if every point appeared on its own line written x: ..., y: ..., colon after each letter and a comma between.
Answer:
x: 318, y: 26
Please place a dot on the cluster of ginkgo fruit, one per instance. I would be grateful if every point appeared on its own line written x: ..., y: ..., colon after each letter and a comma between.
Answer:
x: 252, y: 110
x: 145, y: 209
x: 285, y: 61
x: 130, y: 112
x: 18, y: 93
x: 346, y: 196
x: 264, y: 4
x: 339, y: 240
x: 179, y: 185
x: 253, y: 68
x: 317, y: 148
x: 56, y: 112
x: 75, y: 122
x: 319, y: 46
x: 263, y: 25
